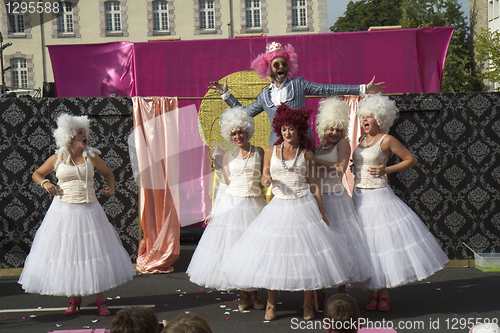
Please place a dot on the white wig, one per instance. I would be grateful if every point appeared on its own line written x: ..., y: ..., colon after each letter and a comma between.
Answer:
x: 67, y: 128
x: 236, y: 119
x: 382, y: 108
x: 333, y: 112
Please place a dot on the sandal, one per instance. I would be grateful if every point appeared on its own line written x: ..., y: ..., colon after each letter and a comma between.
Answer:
x: 309, y: 316
x: 270, y: 316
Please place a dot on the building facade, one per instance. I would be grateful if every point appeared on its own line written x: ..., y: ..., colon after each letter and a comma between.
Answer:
x: 31, y: 26
x: 485, y: 14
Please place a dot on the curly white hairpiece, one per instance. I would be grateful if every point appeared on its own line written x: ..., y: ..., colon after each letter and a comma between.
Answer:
x: 333, y: 112
x: 382, y: 108
x: 67, y: 128
x: 234, y: 119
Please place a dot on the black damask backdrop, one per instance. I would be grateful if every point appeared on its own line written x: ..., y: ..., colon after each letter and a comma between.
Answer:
x: 454, y: 188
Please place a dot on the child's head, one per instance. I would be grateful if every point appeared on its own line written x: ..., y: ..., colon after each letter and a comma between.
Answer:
x: 341, y: 311
x: 187, y: 323
x: 136, y: 319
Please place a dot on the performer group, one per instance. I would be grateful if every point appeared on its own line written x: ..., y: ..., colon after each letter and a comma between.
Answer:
x: 311, y: 235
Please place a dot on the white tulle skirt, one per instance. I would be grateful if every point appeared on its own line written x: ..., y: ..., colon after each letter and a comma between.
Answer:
x: 76, y: 252
x: 402, y: 248
x: 230, y: 218
x: 288, y: 247
x: 343, y: 218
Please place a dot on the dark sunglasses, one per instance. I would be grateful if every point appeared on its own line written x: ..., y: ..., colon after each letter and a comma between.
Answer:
x: 277, y: 64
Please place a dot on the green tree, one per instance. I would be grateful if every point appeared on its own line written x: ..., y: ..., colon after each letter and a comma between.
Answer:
x: 458, y: 74
x: 488, y: 51
x: 363, y: 14
x: 458, y: 70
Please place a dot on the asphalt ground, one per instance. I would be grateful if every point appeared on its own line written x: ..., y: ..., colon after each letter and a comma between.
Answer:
x: 452, y: 300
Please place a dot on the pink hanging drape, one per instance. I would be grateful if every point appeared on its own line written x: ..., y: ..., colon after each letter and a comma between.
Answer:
x: 354, y: 132
x: 156, y: 138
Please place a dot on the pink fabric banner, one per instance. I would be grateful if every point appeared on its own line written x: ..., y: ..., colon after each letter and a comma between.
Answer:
x: 408, y: 60
x: 92, y: 70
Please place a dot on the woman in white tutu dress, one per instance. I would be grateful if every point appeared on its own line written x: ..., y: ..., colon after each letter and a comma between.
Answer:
x: 333, y: 156
x: 76, y: 251
x: 289, y: 246
x: 237, y: 203
x: 402, y: 248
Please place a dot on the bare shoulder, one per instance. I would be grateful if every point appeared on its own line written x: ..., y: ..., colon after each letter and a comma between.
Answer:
x: 343, y: 142
x: 269, y: 150
x: 308, y: 155
x: 259, y: 150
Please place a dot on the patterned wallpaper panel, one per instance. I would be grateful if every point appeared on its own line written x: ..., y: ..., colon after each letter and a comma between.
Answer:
x: 454, y: 188
x: 26, y: 141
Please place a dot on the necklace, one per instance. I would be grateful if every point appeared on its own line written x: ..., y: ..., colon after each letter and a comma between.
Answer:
x: 246, y: 158
x: 86, y: 176
x: 283, y: 161
x: 327, y: 147
x: 367, y: 144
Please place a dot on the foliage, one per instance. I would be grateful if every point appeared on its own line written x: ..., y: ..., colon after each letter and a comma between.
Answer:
x: 458, y: 74
x: 363, y: 14
x: 488, y: 51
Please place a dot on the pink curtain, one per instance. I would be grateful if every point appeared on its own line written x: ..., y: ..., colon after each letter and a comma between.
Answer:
x: 408, y: 60
x: 156, y: 138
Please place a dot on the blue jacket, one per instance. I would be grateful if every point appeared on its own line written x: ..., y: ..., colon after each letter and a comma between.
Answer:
x: 297, y: 89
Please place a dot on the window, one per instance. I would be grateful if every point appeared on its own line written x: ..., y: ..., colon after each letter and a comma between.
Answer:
x: 207, y: 15
x: 113, y: 16
x: 299, y: 13
x: 252, y: 13
x: 65, y: 18
x: 16, y: 23
x: 160, y: 16
x: 19, y: 73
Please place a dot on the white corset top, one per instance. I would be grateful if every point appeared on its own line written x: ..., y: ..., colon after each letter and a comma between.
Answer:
x: 76, y: 186
x: 363, y: 159
x: 329, y: 181
x: 244, y: 177
x: 289, y: 184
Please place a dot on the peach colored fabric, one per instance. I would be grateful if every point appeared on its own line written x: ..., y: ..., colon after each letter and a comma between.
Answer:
x: 160, y: 246
x: 354, y: 134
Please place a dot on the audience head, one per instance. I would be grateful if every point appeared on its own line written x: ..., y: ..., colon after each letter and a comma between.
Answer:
x: 341, y: 311
x: 136, y: 319
x: 187, y: 323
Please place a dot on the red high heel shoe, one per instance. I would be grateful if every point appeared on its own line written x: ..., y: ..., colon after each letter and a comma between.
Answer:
x: 102, y: 312
x: 76, y: 304
x: 372, y: 307
x: 386, y: 306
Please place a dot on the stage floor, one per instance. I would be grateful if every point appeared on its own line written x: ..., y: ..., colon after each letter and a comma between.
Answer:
x: 450, y: 300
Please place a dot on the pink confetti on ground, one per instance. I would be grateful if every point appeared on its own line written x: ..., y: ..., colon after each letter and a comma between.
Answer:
x: 165, y: 304
x: 467, y: 286
x: 24, y: 318
x: 196, y: 296
x: 227, y: 318
x: 443, y: 277
x: 434, y: 283
x: 224, y: 299
x: 6, y: 318
x: 201, y: 289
